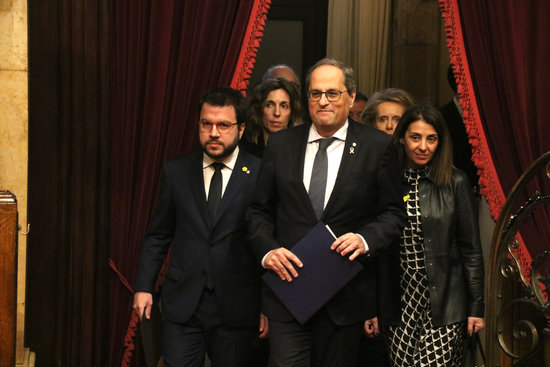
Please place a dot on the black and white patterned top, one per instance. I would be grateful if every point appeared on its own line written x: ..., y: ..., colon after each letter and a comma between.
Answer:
x: 412, y: 252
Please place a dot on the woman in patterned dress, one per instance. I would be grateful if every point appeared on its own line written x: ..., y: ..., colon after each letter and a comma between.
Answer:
x: 441, y: 264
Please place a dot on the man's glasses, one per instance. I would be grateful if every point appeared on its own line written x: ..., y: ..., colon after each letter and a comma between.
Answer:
x: 223, y: 127
x: 332, y: 95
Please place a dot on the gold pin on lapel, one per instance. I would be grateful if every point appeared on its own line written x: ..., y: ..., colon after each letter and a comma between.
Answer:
x: 245, y: 170
x: 352, y: 148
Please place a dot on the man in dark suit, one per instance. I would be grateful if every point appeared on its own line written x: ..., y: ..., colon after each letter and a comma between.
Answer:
x: 360, y: 201
x: 462, y: 150
x: 211, y: 294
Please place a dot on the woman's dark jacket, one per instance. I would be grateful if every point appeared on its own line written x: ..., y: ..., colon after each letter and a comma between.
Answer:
x: 452, y: 246
x: 256, y: 149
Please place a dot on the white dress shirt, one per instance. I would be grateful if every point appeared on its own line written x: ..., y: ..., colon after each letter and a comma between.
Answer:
x: 208, y: 170
x: 334, y: 157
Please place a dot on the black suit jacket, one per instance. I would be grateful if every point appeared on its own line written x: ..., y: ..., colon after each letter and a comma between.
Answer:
x: 202, y: 247
x: 462, y: 150
x: 365, y: 199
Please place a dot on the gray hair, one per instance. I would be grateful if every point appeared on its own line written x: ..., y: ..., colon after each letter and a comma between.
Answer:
x: 349, y: 78
x: 269, y: 74
x: 396, y: 95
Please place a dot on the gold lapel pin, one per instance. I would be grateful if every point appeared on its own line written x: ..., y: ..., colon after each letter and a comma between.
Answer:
x: 352, y: 148
x: 245, y: 170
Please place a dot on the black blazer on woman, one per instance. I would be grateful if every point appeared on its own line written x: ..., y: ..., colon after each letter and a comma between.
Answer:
x: 452, y: 249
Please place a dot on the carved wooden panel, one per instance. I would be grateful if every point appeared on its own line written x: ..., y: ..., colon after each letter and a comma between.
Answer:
x: 518, y: 307
x: 8, y: 277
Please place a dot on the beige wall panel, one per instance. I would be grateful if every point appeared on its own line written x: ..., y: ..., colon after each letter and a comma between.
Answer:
x: 417, y: 48
x: 14, y: 132
x: 414, y: 68
x: 13, y: 35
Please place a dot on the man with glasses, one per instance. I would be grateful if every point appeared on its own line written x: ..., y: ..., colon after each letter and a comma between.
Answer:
x: 346, y: 175
x: 211, y: 293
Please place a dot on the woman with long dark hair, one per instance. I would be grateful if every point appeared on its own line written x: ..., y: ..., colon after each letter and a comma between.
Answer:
x: 273, y: 105
x: 440, y: 258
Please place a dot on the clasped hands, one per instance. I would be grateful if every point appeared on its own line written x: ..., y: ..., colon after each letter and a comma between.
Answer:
x: 282, y: 261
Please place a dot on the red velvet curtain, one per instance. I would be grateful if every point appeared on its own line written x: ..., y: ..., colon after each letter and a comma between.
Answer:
x: 166, y: 54
x: 500, y: 50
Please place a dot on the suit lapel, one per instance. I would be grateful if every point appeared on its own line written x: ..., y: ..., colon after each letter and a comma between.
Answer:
x: 239, y: 177
x: 351, y: 148
x: 196, y: 181
x: 300, y: 153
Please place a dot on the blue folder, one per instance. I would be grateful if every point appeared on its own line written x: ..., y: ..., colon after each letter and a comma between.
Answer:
x: 324, y: 273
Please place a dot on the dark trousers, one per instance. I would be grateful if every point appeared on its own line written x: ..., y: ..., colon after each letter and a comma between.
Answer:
x: 317, y: 343
x: 185, y: 345
x: 373, y: 352
x: 260, y: 356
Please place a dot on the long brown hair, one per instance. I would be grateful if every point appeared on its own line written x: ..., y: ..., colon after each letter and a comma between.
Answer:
x: 442, y: 161
x: 256, y: 101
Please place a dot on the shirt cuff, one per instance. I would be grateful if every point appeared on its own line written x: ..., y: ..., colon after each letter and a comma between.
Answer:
x: 263, y: 259
x: 364, y: 243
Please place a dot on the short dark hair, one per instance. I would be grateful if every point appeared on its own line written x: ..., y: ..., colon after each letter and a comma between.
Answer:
x: 256, y: 101
x: 360, y: 96
x: 442, y: 161
x: 349, y: 78
x: 395, y: 95
x: 225, y: 96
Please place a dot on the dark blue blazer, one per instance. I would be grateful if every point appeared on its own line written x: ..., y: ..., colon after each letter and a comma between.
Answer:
x: 366, y: 199
x: 201, y: 246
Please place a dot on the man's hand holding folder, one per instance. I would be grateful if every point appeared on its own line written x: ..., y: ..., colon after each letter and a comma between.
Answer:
x: 281, y: 260
x: 324, y: 271
x: 349, y: 243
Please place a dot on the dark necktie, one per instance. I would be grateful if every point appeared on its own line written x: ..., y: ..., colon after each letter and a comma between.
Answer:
x: 318, y: 182
x: 215, y: 190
